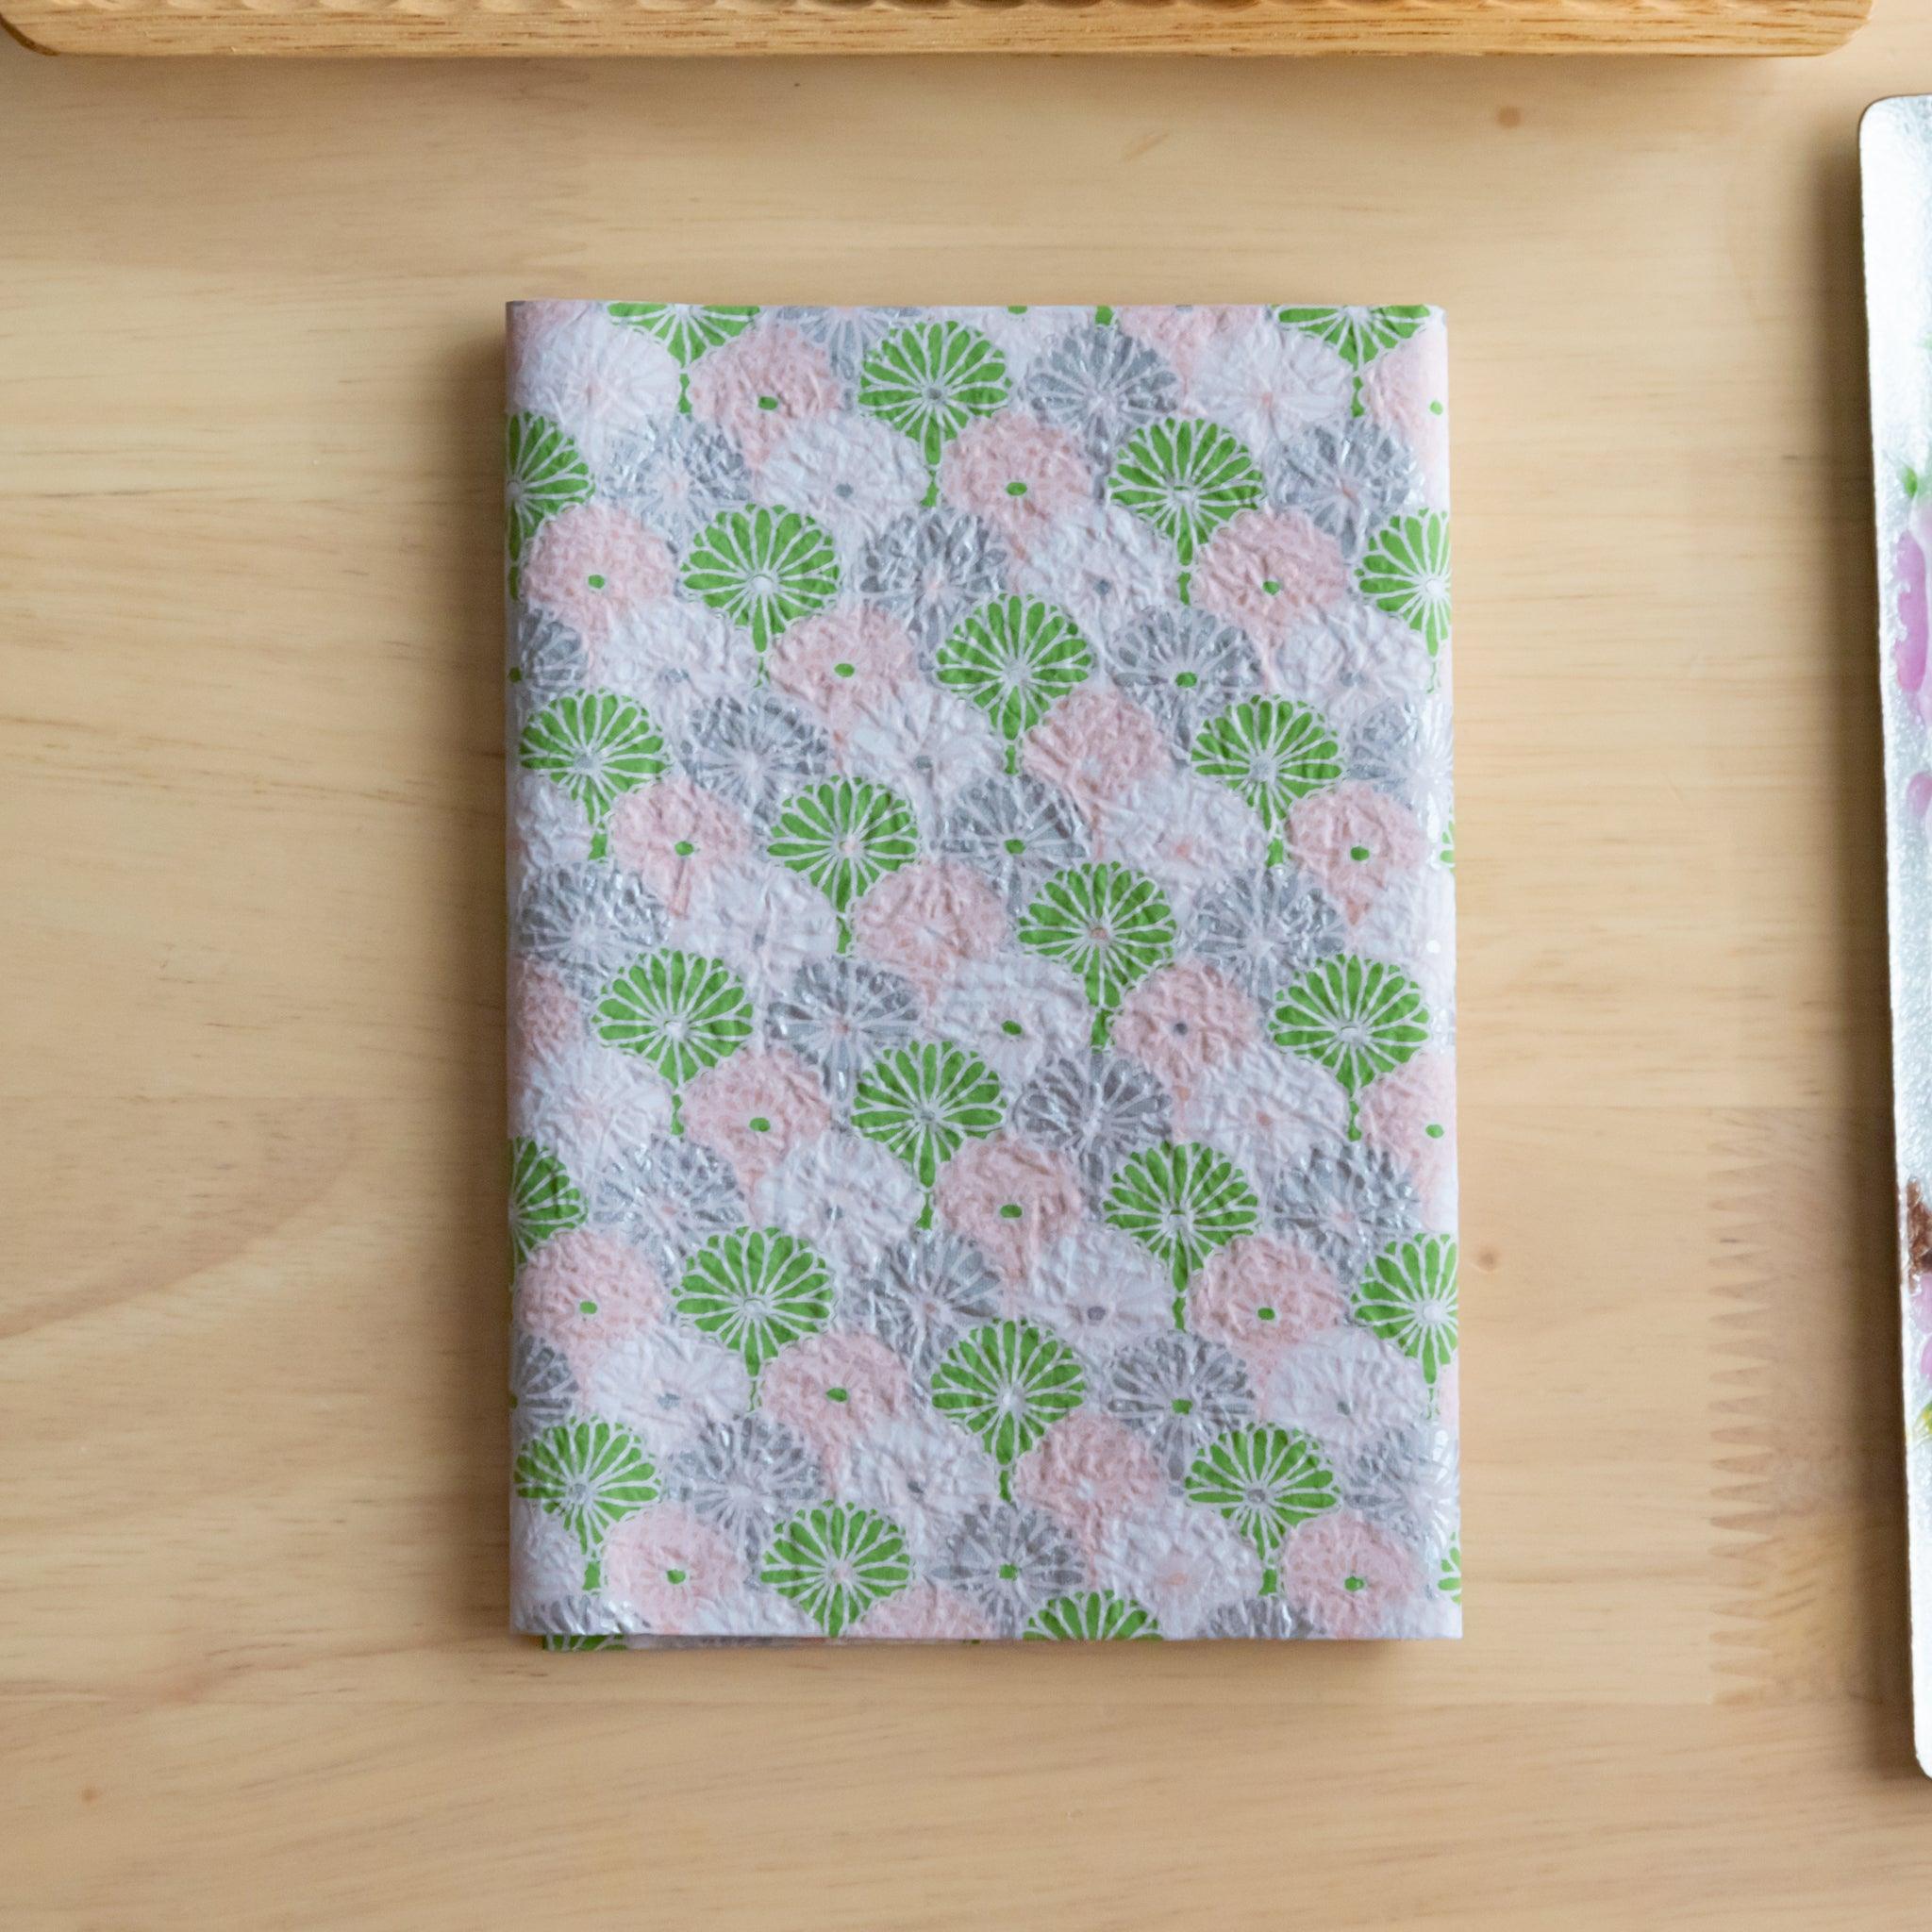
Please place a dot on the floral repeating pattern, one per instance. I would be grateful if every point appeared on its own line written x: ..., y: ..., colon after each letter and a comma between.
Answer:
x: 982, y: 1019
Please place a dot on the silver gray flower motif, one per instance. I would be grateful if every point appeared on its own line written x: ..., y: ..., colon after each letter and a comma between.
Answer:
x: 1186, y: 666
x: 1103, y: 385
x: 1264, y: 929
x: 746, y: 1476
x: 542, y: 1390
x: 1180, y: 1392
x: 1008, y: 1560
x: 1344, y: 1202
x: 926, y: 1292
x: 676, y: 476
x: 1262, y: 1619
x: 588, y: 920
x: 847, y: 336
x: 1100, y: 1107
x: 1016, y: 831
x: 757, y: 750
x: 1404, y: 749
x: 669, y: 1196
x: 1407, y: 1483
x: 1346, y: 478
x: 840, y: 1014
x: 547, y: 657
x: 930, y: 568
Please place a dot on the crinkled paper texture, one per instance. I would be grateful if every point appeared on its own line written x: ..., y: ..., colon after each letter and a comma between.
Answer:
x: 981, y: 994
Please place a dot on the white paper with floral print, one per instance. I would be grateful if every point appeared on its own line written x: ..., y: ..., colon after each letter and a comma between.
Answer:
x: 982, y: 990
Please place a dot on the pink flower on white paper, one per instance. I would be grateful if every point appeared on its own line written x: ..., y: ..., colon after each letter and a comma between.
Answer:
x: 673, y: 834
x: 926, y: 1613
x: 1013, y: 1198
x: 1018, y: 474
x: 599, y: 378
x: 760, y: 386
x: 1264, y: 1109
x: 663, y: 1565
x: 545, y: 1019
x: 595, y: 565
x: 929, y: 919
x: 1350, y: 1577
x: 833, y: 1389
x: 755, y: 1108
x: 1087, y: 1469
x: 1268, y: 383
x: 582, y: 1290
x: 1263, y: 1297
x: 1179, y: 1561
x: 1096, y: 744
x: 845, y: 663
x: 1267, y: 571
x: 1352, y: 840
x: 1177, y: 335
x: 1410, y: 1113
x: 1406, y: 389
x: 1184, y: 1021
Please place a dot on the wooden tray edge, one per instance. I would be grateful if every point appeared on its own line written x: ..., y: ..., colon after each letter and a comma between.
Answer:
x: 370, y: 28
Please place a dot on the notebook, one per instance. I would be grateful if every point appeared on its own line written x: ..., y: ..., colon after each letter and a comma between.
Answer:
x: 981, y: 986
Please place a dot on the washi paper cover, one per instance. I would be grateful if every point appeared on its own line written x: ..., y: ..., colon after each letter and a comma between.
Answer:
x: 981, y: 987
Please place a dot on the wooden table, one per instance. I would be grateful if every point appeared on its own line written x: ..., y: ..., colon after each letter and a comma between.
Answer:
x: 253, y: 1660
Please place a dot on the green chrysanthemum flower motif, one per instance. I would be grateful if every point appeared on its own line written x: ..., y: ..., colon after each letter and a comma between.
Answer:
x: 1264, y: 1480
x: 845, y: 835
x: 1008, y: 1383
x: 1449, y: 1572
x: 1185, y: 476
x: 1093, y: 1616
x: 1013, y: 658
x: 1272, y: 751
x: 1357, y: 335
x: 543, y: 472
x: 1406, y: 573
x: 687, y: 329
x: 1358, y: 1018
x: 762, y: 568
x: 680, y: 1011
x: 756, y: 1289
x: 835, y: 1562
x: 929, y: 381
x: 544, y: 1200
x: 1182, y: 1200
x: 556, y: 1642
x: 589, y: 1474
x: 594, y: 743
x: 1107, y: 923
x: 1408, y: 1298
x: 924, y: 1102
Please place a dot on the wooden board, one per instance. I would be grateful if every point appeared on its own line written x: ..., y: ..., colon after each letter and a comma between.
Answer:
x: 253, y: 1661
x: 933, y: 26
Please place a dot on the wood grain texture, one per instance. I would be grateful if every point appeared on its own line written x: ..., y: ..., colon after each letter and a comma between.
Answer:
x: 253, y: 1660
x: 521, y: 27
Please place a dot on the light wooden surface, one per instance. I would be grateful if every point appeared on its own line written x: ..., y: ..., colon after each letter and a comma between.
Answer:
x: 253, y: 1668
x: 516, y: 28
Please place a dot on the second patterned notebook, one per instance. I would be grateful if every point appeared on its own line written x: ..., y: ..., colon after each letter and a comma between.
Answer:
x: 982, y: 994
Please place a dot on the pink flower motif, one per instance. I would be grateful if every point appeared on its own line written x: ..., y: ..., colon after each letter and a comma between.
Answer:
x: 833, y: 1388
x: 1263, y: 1297
x: 1353, y: 1579
x: 1919, y: 793
x: 584, y: 1289
x: 1406, y: 389
x: 593, y: 565
x: 1353, y: 841
x: 1019, y: 475
x: 1267, y: 571
x: 545, y: 1018
x: 926, y: 1613
x: 666, y: 1565
x: 1410, y: 1113
x: 843, y: 662
x: 754, y: 1107
x: 1178, y: 335
x: 928, y: 919
x: 1183, y: 1020
x: 1087, y: 1469
x: 1096, y: 744
x: 674, y: 834
x: 760, y: 386
x: 1013, y: 1198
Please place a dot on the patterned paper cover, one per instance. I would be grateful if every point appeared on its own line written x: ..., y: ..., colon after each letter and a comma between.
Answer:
x: 982, y: 993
